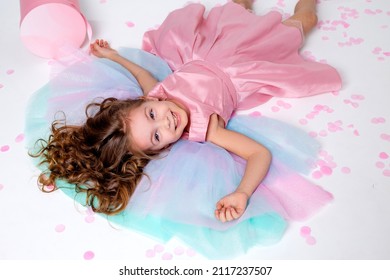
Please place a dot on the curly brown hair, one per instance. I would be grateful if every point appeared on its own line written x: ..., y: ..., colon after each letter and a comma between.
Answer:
x: 97, y: 157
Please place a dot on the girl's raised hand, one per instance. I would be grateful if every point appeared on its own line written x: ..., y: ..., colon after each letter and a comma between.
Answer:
x: 102, y: 49
x: 231, y: 207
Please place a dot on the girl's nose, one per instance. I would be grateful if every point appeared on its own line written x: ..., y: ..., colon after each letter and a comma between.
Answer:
x: 163, y: 123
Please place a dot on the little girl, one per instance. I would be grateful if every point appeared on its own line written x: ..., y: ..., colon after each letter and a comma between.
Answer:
x: 230, y: 60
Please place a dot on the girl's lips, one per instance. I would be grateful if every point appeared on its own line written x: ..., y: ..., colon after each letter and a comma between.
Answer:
x: 176, y: 119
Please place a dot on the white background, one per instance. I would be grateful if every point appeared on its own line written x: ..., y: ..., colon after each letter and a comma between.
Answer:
x: 353, y: 36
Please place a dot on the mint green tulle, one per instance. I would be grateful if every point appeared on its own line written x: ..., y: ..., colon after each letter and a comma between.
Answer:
x: 187, y: 183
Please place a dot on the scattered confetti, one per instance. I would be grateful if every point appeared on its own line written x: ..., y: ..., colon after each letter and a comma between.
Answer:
x: 89, y: 255
x: 60, y: 228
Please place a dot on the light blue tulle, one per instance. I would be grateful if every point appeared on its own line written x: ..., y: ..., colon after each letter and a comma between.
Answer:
x: 179, y: 197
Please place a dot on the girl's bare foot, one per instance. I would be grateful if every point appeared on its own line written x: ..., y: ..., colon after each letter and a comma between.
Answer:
x: 305, y: 12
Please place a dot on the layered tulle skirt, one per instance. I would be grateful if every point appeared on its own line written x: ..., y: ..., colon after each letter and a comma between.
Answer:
x: 178, y: 197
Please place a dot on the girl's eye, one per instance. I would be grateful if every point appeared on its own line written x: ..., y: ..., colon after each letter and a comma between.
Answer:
x: 152, y: 115
x: 157, y: 137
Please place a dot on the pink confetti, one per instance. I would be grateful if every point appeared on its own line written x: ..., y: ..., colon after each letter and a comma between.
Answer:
x: 275, y: 109
x: 1, y: 86
x: 321, y: 162
x: 385, y: 136
x: 150, y: 253
x: 283, y: 104
x: 311, y: 240
x: 89, y: 219
x: 1, y: 187
x: 59, y: 228
x: 179, y: 251
x: 326, y: 170
x: 303, y: 121
x: 323, y: 133
x: 19, y: 138
x: 377, y: 50
x: 130, y: 24
x: 386, y: 172
x: 340, y: 22
x: 323, y: 153
x: 159, y: 248
x: 380, y: 165
x: 305, y: 231
x: 369, y: 12
x: 89, y: 255
x: 255, y: 114
x: 313, y: 134
x: 317, y: 174
x: 167, y: 256
x: 345, y: 170
x: 190, y: 252
x: 5, y: 148
x: 335, y: 126
x: 383, y: 155
x: 357, y: 97
x: 378, y: 120
x: 10, y: 72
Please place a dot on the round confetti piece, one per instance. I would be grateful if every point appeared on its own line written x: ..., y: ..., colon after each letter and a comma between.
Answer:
x: 89, y: 255
x: 130, y: 24
x: 380, y: 165
x: 167, y: 256
x: 4, y: 148
x: 321, y: 162
x: 303, y: 121
x: 150, y: 253
x: 1, y: 187
x: 179, y: 251
x: 345, y: 170
x: 190, y: 252
x: 386, y: 172
x: 305, y: 231
x: 59, y: 228
x: 323, y: 133
x: 311, y: 240
x: 159, y: 248
x: 317, y: 174
x: 383, y: 155
x: 255, y: 114
x: 19, y: 138
x: 89, y: 219
x: 313, y: 134
x: 326, y: 170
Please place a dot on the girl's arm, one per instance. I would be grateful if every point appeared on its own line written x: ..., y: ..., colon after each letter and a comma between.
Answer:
x: 101, y: 48
x: 258, y: 160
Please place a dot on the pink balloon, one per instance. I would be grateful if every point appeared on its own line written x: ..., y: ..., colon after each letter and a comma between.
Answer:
x: 52, y: 28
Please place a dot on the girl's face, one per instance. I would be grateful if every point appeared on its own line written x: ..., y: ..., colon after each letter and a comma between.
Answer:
x: 156, y: 124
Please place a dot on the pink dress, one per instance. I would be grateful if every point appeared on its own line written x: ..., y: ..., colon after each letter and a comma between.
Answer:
x: 232, y: 59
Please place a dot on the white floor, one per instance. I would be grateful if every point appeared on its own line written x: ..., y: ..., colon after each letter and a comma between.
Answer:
x: 353, y: 125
